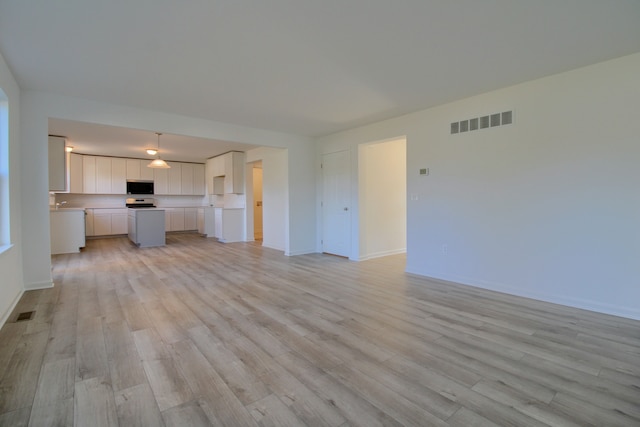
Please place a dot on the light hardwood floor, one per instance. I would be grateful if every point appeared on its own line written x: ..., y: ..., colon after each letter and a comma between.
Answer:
x: 202, y: 333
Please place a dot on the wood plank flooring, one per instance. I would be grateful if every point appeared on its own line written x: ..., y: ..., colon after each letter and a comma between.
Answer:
x: 198, y: 333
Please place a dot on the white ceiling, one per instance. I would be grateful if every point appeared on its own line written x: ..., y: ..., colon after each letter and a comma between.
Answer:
x: 303, y: 67
x: 91, y: 138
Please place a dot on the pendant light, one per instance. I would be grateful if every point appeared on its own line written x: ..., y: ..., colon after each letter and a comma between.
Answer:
x: 158, y: 162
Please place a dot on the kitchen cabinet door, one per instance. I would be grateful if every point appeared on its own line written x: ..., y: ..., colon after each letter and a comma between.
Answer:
x: 101, y: 224
x: 133, y: 169
x: 119, y: 223
x: 198, y: 180
x: 75, y: 173
x: 186, y: 179
x: 167, y: 220
x: 206, y: 221
x: 89, y: 174
x: 234, y: 173
x: 161, y: 181
x: 190, y: 219
x: 103, y: 175
x: 67, y: 231
x: 200, y: 219
x: 217, y: 223
x: 229, y: 225
x: 218, y: 166
x: 118, y: 176
x: 175, y: 178
x: 208, y: 180
x: 174, y: 219
x: 88, y: 224
x: 177, y: 219
x: 146, y: 173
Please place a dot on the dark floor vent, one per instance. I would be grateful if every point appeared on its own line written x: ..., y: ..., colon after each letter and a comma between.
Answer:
x: 27, y: 315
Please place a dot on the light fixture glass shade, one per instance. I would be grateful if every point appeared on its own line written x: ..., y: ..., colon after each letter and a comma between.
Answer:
x: 158, y: 163
x: 152, y: 151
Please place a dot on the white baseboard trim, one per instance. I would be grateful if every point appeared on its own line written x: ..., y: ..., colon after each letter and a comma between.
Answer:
x: 303, y: 252
x: 383, y: 253
x: 626, y: 312
x: 6, y: 315
x: 38, y: 285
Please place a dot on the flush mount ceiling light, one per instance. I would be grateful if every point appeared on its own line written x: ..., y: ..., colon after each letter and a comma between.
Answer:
x: 68, y: 148
x: 152, y: 151
x: 158, y: 162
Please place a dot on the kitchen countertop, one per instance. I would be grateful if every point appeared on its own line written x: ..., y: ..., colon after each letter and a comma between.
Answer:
x: 53, y: 209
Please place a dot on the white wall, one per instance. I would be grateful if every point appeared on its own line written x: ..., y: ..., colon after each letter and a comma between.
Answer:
x: 274, y: 195
x: 38, y: 107
x: 11, y: 280
x: 382, y: 168
x: 547, y: 207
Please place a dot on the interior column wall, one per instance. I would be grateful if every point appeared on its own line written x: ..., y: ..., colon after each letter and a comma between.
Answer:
x: 12, y: 280
x: 382, y: 197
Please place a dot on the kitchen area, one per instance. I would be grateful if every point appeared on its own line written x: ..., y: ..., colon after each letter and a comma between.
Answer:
x: 97, y: 196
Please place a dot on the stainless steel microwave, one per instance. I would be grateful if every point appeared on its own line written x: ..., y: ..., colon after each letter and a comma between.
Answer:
x: 136, y: 186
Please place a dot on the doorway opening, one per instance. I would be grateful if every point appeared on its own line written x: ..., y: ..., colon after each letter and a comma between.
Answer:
x: 257, y: 201
x: 382, y: 198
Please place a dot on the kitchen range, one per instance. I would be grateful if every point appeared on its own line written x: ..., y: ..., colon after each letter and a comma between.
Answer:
x: 146, y: 223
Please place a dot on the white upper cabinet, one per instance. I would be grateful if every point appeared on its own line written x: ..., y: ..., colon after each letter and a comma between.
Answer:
x: 198, y: 179
x: 57, y: 164
x: 218, y: 166
x: 234, y: 172
x: 225, y: 174
x: 137, y: 169
x: 161, y: 181
x: 89, y: 174
x: 103, y: 175
x: 146, y: 173
x: 186, y: 180
x: 75, y: 173
x: 118, y: 175
x: 109, y: 175
x: 133, y: 169
x: 175, y: 178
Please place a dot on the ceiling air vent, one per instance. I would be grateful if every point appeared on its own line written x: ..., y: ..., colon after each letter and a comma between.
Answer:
x: 483, y: 122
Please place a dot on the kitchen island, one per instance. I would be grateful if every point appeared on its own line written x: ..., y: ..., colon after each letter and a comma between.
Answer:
x: 146, y: 227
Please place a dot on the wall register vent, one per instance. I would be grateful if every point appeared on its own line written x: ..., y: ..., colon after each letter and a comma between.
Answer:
x: 484, y: 122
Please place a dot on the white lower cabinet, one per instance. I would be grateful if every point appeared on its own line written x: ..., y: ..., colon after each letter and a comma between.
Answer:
x: 115, y: 221
x: 101, y: 224
x: 229, y: 225
x: 181, y: 219
x: 106, y: 222
x: 190, y: 219
x: 119, y: 223
x: 67, y: 230
x: 206, y: 221
x: 174, y: 219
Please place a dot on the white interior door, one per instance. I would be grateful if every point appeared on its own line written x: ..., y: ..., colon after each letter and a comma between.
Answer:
x: 336, y: 203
